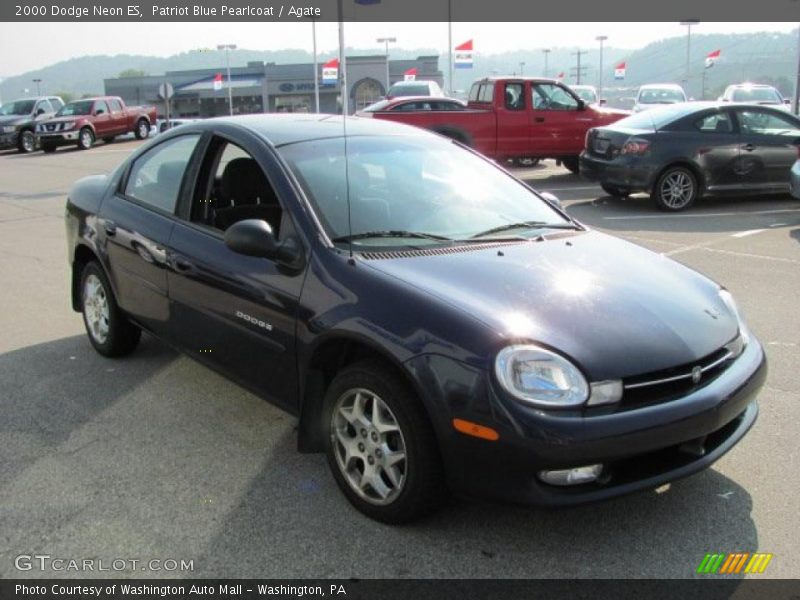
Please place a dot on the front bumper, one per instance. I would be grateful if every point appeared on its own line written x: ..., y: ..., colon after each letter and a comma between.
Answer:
x: 640, y: 448
x: 57, y: 139
x: 9, y: 140
x: 627, y: 173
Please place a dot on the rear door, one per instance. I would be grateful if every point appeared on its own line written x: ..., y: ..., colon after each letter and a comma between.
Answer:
x: 557, y: 125
x: 135, y: 224
x: 715, y: 142
x: 103, y: 123
x: 769, y: 145
x: 512, y: 121
x: 118, y: 116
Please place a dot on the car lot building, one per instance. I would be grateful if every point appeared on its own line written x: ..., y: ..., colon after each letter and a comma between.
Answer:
x: 269, y: 87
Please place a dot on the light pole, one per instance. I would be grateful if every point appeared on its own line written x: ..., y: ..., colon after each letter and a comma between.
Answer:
x: 797, y: 77
x: 546, y: 52
x: 688, y: 25
x: 521, y: 68
x: 601, y: 39
x: 316, y: 68
x: 38, y: 89
x: 387, y: 41
x: 228, y: 48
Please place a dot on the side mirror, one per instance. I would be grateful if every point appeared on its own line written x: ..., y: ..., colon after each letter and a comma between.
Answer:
x: 39, y: 112
x: 551, y: 198
x: 254, y: 237
x: 581, y: 104
x: 787, y: 101
x: 99, y: 112
x: 603, y: 102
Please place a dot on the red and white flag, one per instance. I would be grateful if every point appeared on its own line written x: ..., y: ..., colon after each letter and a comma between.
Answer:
x: 218, y: 82
x: 561, y: 76
x: 330, y: 72
x: 712, y: 58
x: 410, y: 74
x: 619, y: 71
x: 463, y: 56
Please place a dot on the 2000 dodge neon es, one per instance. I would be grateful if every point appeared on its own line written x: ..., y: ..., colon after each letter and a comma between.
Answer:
x: 436, y: 325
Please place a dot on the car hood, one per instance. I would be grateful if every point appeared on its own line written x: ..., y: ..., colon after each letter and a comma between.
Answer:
x: 615, y: 308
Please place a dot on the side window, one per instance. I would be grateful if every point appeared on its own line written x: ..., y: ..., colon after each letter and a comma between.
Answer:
x: 56, y: 103
x: 100, y: 105
x: 548, y: 96
x: 715, y: 123
x: 116, y: 105
x: 155, y: 178
x: 767, y: 123
x: 235, y: 188
x: 486, y: 93
x: 514, y: 95
x: 443, y: 105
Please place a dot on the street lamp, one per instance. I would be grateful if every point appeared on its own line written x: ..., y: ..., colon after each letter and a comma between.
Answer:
x: 521, y: 68
x: 316, y: 68
x: 228, y: 48
x: 38, y: 89
x: 601, y: 39
x: 546, y: 52
x: 387, y: 41
x: 688, y: 25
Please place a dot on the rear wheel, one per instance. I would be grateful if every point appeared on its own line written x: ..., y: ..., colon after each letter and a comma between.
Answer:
x: 526, y: 162
x: 85, y: 139
x: 676, y: 189
x: 142, y: 129
x: 27, y: 142
x: 109, y: 330
x: 381, y: 446
x: 614, y: 191
x: 571, y: 163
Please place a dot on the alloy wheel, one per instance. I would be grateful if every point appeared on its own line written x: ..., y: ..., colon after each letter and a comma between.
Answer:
x: 677, y: 190
x: 28, y: 141
x: 96, y: 309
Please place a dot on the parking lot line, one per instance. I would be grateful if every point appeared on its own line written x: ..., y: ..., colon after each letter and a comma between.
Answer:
x: 742, y: 234
x: 700, y: 215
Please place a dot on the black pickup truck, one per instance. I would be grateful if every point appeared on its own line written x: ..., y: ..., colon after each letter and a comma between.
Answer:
x: 18, y: 120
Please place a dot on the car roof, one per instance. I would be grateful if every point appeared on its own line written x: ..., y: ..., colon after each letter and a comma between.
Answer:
x: 660, y: 86
x: 414, y: 82
x: 400, y: 99
x: 494, y: 78
x: 291, y: 128
x: 751, y: 85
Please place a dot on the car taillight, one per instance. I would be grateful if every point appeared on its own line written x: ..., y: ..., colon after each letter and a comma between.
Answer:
x: 635, y: 146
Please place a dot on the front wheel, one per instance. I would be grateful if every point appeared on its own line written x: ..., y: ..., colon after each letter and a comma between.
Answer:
x: 381, y: 446
x: 142, y: 129
x: 27, y: 142
x: 85, y: 139
x: 109, y: 330
x: 676, y: 189
x: 571, y: 163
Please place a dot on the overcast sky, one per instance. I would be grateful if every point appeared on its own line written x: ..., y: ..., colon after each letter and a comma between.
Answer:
x: 28, y: 46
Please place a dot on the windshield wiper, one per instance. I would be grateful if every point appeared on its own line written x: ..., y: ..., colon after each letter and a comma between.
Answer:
x: 525, y: 225
x: 392, y: 234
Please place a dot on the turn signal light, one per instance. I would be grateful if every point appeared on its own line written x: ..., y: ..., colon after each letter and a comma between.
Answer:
x: 475, y: 430
x: 635, y: 146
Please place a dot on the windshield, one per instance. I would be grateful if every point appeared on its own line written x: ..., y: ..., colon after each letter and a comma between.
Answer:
x: 83, y: 107
x: 756, y: 95
x: 20, y: 107
x: 661, y: 96
x: 408, y: 90
x: 413, y: 184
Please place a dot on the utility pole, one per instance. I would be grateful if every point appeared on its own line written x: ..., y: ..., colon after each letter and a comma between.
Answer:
x: 579, y: 69
x: 522, y: 68
x: 450, y: 45
x: 316, y: 67
x: 601, y: 39
x: 342, y: 61
x: 228, y: 48
x: 797, y: 77
x: 387, y: 41
x: 688, y: 25
x: 546, y: 52
x: 38, y: 89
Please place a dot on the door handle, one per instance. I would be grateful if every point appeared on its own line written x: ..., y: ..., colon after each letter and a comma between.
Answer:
x: 539, y: 119
x: 182, y: 264
x: 110, y: 227
x: 749, y: 147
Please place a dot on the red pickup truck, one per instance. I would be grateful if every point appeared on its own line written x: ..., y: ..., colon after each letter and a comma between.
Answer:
x: 515, y: 118
x: 84, y: 121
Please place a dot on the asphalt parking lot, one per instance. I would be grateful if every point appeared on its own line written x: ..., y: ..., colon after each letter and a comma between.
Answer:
x: 157, y: 457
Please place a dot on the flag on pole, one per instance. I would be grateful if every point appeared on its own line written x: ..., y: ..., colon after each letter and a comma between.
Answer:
x: 330, y: 72
x: 619, y: 71
x: 560, y: 76
x: 712, y: 58
x: 463, y: 55
x: 217, y: 82
x: 410, y: 74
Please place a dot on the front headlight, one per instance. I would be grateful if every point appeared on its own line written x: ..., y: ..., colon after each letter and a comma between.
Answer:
x: 727, y: 298
x: 540, y: 377
x: 68, y: 125
x: 9, y: 129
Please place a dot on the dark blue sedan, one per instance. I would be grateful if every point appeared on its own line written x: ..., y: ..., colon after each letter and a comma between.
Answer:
x: 435, y: 325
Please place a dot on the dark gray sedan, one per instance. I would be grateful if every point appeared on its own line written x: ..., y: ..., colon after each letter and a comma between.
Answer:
x: 681, y: 152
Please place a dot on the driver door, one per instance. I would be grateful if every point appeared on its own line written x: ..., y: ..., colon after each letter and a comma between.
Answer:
x: 557, y: 122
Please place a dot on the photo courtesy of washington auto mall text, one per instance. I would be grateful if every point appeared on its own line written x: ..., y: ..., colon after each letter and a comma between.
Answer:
x: 387, y: 300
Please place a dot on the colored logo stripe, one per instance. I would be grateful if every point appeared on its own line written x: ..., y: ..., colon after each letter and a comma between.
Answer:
x: 733, y: 563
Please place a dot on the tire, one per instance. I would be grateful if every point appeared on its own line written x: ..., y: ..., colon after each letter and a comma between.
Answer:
x: 108, y: 329
x: 48, y: 148
x: 526, y: 162
x: 407, y: 488
x: 676, y: 189
x: 27, y: 142
x: 108, y: 139
x: 85, y: 138
x: 142, y: 129
x: 571, y: 163
x: 614, y: 191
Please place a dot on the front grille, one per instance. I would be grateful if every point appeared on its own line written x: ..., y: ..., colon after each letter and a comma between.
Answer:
x: 669, y: 384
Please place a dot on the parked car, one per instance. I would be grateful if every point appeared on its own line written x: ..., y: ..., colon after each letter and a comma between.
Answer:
x: 658, y: 94
x: 516, y: 118
x: 413, y: 103
x: 163, y: 126
x: 587, y: 93
x: 83, y: 121
x: 755, y: 93
x: 682, y: 152
x: 435, y: 324
x: 420, y: 87
x: 18, y: 121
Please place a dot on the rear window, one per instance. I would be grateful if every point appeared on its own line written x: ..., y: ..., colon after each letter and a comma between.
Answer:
x: 408, y: 90
x: 756, y: 95
x: 661, y: 96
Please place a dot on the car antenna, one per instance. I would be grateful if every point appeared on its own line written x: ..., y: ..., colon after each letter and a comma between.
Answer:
x: 345, y: 108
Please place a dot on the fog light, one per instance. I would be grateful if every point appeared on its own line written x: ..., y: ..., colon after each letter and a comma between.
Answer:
x: 575, y: 476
